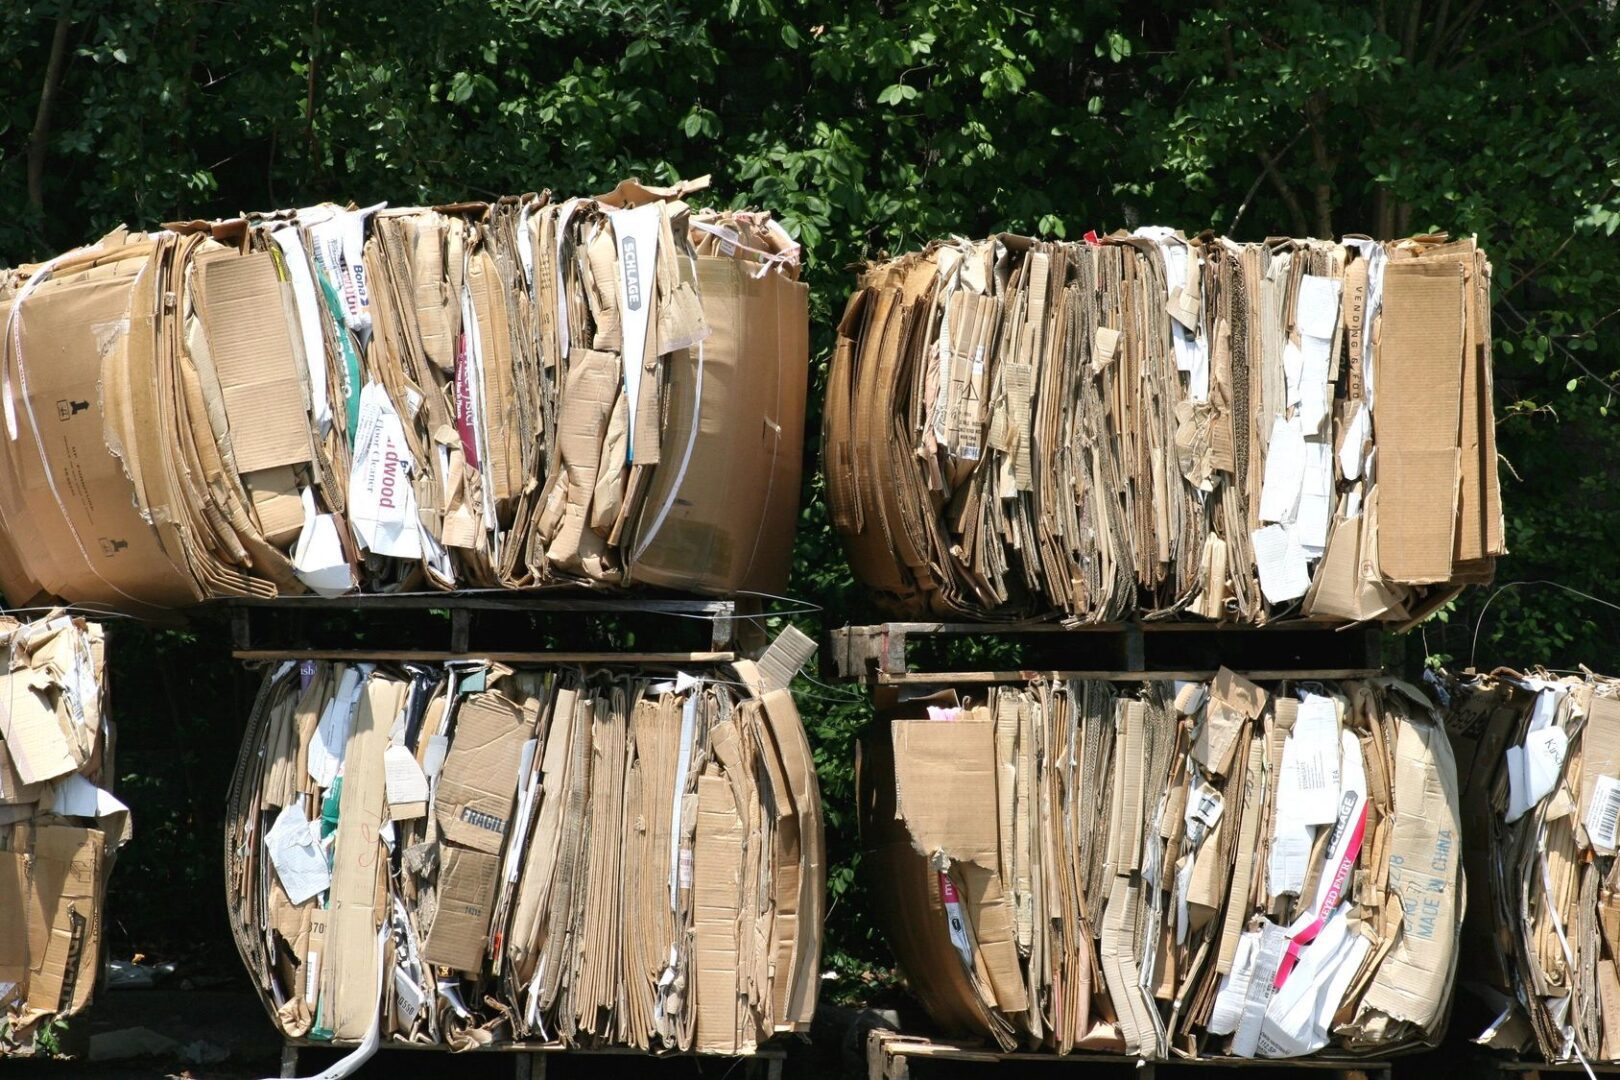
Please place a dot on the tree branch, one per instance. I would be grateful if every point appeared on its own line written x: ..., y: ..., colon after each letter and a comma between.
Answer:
x: 1295, y: 211
x: 1254, y: 187
x: 1323, y: 188
x: 1268, y: 163
x: 39, y: 139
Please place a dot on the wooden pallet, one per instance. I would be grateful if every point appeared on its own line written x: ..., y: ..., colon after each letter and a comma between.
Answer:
x: 892, y: 1056
x: 530, y: 1060
x: 881, y: 654
x: 257, y: 625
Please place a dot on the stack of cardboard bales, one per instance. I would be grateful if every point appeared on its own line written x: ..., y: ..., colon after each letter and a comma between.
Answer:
x: 1171, y: 868
x: 1149, y: 425
x: 59, y: 826
x: 605, y: 390
x: 1541, y: 754
x: 472, y: 854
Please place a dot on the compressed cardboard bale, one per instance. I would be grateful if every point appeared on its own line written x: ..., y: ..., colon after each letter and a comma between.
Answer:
x: 606, y: 391
x: 1099, y: 874
x: 1160, y: 427
x: 58, y: 835
x: 607, y: 857
x: 1541, y: 760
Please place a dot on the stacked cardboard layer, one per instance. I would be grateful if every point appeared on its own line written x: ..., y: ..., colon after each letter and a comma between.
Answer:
x: 1542, y: 760
x: 59, y: 826
x: 608, y: 390
x: 1147, y: 425
x: 471, y: 854
x: 1165, y: 868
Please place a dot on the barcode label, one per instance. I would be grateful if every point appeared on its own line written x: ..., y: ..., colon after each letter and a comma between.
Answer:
x: 312, y: 977
x: 1603, y: 815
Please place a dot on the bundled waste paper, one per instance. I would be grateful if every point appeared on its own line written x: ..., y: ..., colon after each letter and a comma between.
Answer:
x: 477, y: 853
x: 1541, y: 754
x: 59, y: 825
x: 1171, y: 869
x: 1146, y: 425
x: 606, y: 390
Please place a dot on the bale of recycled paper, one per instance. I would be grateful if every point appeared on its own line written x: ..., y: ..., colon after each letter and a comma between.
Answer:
x: 1540, y: 754
x: 59, y: 825
x: 1170, y: 869
x: 505, y: 395
x: 550, y: 855
x: 1147, y: 425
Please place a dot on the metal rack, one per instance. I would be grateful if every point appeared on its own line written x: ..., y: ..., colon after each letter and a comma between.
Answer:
x: 881, y: 654
x: 530, y: 1061
x: 891, y: 1056
x: 266, y: 624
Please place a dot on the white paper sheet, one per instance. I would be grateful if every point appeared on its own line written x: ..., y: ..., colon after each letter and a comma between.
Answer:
x: 298, y: 860
x: 332, y: 731
x: 433, y: 760
x: 1317, y: 311
x: 1289, y: 856
x: 1315, y: 513
x: 1355, y: 437
x: 1533, y: 769
x: 1283, y: 565
x: 1315, y: 394
x: 1285, y: 472
x: 318, y: 557
x: 403, y: 778
x: 308, y: 302
x: 1268, y: 956
x: 1234, y: 986
x: 1546, y: 707
x: 1308, y: 791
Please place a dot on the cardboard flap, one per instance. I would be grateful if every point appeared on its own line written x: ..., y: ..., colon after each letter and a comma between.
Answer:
x: 946, y: 788
x: 478, y: 787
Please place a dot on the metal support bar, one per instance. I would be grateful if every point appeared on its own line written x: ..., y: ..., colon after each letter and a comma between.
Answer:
x: 1135, y: 660
x: 460, y: 629
x: 289, y: 1060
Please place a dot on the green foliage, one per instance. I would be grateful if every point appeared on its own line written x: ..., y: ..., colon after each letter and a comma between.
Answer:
x: 870, y: 128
